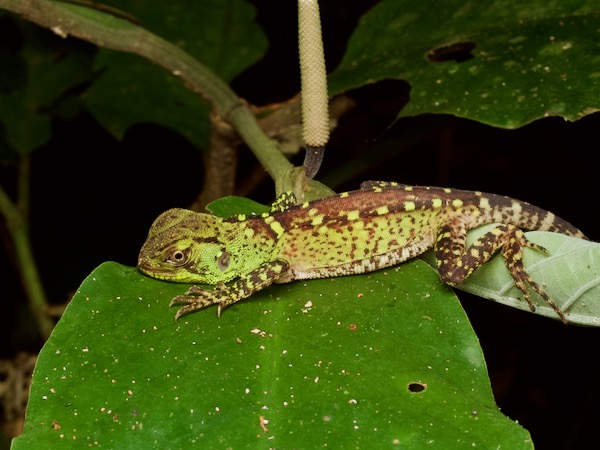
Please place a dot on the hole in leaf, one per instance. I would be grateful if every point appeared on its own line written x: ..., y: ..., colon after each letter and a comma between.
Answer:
x: 417, y: 387
x: 457, y: 51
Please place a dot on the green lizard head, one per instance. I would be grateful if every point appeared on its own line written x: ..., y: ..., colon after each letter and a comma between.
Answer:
x: 186, y: 246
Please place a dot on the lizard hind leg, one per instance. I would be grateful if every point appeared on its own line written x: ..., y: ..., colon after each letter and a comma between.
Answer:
x: 456, y: 261
x: 512, y: 252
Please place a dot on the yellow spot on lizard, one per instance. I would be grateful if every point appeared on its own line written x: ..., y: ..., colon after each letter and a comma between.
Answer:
x: 277, y: 228
x: 317, y: 220
x: 353, y: 215
x: 382, y: 210
x: 409, y: 206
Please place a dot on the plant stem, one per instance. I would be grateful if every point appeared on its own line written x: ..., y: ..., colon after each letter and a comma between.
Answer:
x: 270, y: 157
x: 18, y: 228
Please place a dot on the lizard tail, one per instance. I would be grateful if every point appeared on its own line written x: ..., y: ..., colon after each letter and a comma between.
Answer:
x: 530, y: 217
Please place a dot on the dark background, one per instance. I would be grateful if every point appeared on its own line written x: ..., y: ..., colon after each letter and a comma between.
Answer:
x: 93, y: 199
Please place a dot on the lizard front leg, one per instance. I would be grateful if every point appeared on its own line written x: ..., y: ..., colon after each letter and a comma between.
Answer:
x: 222, y: 295
x: 456, y: 261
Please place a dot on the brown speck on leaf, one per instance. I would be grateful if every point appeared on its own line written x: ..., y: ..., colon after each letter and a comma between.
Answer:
x: 352, y: 327
x: 262, y: 422
x: 360, y: 295
x: 55, y: 425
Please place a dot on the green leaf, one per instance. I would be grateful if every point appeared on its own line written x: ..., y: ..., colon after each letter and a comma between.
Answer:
x: 222, y: 35
x: 232, y: 205
x: 363, y: 361
x: 530, y: 59
x: 569, y: 274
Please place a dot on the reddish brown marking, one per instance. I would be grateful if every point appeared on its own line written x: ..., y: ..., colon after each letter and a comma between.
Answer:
x: 261, y: 422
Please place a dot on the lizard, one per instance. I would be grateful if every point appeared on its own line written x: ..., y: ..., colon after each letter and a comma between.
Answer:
x: 380, y: 225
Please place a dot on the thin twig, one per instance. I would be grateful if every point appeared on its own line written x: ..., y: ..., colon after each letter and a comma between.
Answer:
x: 17, y: 225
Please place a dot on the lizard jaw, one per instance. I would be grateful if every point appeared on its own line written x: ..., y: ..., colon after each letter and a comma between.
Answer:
x: 164, y: 274
x: 158, y: 273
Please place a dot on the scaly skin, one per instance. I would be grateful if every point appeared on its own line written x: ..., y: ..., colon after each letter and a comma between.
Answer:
x: 380, y: 225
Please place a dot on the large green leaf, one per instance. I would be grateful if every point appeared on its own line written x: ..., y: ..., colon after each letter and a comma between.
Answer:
x: 365, y: 361
x: 530, y: 59
x: 222, y: 35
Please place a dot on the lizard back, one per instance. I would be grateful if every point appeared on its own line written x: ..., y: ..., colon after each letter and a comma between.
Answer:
x: 385, y: 224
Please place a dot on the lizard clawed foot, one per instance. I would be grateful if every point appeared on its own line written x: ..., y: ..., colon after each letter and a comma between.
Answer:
x: 197, y: 298
x: 191, y: 304
x: 513, y: 257
x: 520, y: 283
x: 194, y: 299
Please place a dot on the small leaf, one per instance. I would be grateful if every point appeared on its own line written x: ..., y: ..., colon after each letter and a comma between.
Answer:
x: 233, y: 205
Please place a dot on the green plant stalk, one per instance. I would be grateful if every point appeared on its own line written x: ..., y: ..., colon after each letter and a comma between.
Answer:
x: 275, y: 163
x: 116, y: 33
x: 18, y: 228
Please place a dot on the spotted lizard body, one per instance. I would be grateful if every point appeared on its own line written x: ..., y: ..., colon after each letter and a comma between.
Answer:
x: 380, y: 225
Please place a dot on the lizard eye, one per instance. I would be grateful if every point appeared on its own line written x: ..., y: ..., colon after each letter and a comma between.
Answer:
x: 177, y: 257
x: 223, y: 261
